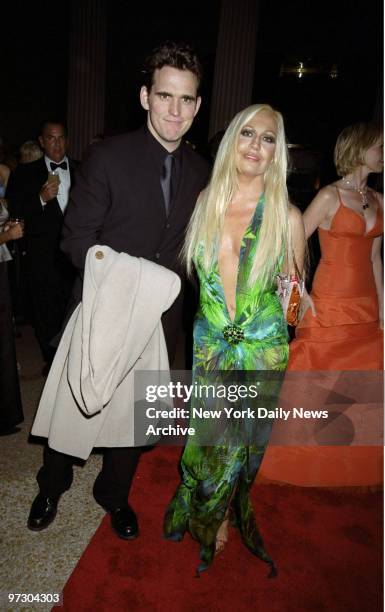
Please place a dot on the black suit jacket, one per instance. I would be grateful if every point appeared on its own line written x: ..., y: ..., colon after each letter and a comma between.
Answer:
x: 118, y: 201
x: 43, y: 225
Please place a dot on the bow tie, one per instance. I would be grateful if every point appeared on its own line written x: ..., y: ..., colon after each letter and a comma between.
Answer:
x: 54, y: 166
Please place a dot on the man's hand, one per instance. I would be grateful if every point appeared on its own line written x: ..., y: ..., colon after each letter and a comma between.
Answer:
x: 49, y: 191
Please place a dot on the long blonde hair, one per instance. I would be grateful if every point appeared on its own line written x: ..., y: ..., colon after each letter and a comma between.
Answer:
x: 206, y: 223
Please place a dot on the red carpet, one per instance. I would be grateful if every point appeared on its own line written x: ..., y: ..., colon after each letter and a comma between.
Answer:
x: 327, y: 545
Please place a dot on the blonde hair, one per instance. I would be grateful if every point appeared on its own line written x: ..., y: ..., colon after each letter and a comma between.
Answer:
x: 206, y: 223
x: 352, y: 144
x: 30, y: 151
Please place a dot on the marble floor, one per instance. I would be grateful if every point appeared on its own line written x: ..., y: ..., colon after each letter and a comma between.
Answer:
x: 39, y: 562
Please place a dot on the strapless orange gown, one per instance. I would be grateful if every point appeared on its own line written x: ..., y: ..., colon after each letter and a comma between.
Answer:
x: 344, y: 335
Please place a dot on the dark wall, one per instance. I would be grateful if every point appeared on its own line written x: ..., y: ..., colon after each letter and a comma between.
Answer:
x: 34, y: 66
x: 348, y: 34
x: 34, y: 50
x: 132, y: 34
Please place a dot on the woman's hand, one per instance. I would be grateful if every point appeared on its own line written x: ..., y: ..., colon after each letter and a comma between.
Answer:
x: 306, y: 302
x: 13, y: 231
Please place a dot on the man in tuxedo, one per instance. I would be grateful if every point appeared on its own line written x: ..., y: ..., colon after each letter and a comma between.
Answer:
x: 135, y: 193
x: 38, y: 193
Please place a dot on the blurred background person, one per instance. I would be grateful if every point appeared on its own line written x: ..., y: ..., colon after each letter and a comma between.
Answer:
x: 4, y: 176
x: 11, y: 412
x: 38, y: 193
x: 30, y: 151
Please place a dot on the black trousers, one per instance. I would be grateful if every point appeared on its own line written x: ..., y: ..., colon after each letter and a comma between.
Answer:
x: 112, y: 485
x: 49, y: 294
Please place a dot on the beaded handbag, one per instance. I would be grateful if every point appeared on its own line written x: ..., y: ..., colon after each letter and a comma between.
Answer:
x: 290, y: 290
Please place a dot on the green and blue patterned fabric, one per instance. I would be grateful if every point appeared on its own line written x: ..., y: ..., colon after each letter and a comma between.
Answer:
x: 220, y: 462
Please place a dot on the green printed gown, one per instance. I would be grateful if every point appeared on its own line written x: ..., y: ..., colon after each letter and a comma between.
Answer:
x: 220, y: 462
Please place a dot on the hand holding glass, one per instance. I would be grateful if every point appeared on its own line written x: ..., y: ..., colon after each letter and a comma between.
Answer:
x: 53, y: 177
x: 17, y: 221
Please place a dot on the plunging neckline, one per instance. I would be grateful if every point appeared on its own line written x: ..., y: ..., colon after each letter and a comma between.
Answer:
x: 358, y: 214
x: 240, y: 257
x: 362, y: 217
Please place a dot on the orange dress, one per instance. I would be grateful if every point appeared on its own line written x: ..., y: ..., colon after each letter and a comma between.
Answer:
x: 344, y: 335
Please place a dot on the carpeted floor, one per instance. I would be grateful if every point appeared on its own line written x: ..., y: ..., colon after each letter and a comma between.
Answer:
x: 39, y: 562
x: 327, y: 545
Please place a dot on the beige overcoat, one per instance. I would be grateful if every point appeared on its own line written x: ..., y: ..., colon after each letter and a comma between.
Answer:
x: 88, y: 399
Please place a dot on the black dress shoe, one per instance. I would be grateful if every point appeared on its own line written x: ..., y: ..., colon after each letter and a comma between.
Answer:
x: 124, y: 522
x: 43, y: 512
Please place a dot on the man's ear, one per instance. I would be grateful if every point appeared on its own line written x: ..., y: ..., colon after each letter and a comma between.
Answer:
x: 197, y: 105
x: 144, y: 97
x: 41, y: 142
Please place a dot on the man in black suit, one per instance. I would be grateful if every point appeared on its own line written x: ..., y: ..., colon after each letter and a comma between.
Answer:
x: 134, y: 193
x: 38, y: 193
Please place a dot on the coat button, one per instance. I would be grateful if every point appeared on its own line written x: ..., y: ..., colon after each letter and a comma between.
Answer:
x: 157, y: 255
x: 167, y: 225
x: 99, y: 255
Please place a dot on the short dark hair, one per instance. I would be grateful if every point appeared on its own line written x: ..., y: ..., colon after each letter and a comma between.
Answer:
x: 177, y: 55
x: 52, y: 121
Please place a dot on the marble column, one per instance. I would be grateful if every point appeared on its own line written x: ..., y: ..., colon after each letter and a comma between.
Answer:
x: 87, y: 74
x: 234, y: 61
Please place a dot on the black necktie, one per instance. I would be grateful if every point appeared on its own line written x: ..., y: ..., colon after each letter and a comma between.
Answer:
x: 54, y: 166
x: 165, y: 181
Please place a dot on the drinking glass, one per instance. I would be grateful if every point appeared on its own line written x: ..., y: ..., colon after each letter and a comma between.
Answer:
x: 53, y: 177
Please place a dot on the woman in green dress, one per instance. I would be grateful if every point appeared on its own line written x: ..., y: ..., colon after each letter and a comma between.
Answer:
x: 242, y: 234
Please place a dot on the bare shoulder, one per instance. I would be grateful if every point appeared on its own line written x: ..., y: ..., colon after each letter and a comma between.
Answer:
x: 327, y: 195
x: 324, y: 205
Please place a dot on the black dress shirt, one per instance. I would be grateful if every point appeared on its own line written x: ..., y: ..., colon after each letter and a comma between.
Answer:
x: 159, y: 154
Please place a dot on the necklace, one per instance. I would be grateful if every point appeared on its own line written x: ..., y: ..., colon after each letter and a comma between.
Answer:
x: 363, y: 193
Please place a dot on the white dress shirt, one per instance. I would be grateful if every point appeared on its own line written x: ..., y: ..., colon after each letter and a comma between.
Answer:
x: 65, y: 181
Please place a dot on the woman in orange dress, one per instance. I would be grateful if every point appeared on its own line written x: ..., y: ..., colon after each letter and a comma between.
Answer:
x: 345, y: 332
